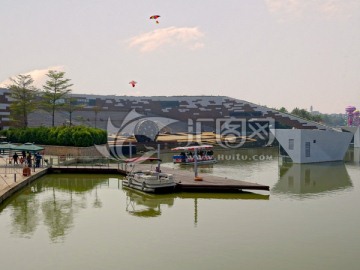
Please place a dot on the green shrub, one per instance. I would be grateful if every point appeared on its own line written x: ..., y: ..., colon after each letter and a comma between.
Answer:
x: 62, y: 135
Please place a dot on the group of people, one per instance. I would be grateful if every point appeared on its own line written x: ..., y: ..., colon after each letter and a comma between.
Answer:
x: 27, y: 159
x: 202, y: 155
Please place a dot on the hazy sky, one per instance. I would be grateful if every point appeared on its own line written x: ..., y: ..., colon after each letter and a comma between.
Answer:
x: 291, y: 53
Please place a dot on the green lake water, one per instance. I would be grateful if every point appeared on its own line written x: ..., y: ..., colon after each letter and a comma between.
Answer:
x: 308, y: 220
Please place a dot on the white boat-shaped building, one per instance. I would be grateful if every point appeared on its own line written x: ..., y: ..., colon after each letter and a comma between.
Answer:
x: 313, y: 145
x: 152, y: 181
x: 202, y: 154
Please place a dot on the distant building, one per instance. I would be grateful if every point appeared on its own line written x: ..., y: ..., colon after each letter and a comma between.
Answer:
x: 314, y: 112
x: 5, y: 101
x: 201, y: 109
x: 304, y: 141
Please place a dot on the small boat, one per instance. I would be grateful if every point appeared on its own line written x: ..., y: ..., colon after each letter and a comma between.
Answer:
x: 202, y: 154
x: 152, y: 181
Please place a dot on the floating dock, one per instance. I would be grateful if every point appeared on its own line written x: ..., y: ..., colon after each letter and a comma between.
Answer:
x: 185, y: 181
x: 210, y: 183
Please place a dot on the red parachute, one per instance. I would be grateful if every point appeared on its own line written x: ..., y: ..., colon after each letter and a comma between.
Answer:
x: 133, y: 83
x: 155, y: 17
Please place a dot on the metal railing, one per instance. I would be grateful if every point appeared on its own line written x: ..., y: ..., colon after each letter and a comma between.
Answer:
x: 83, y: 161
x: 3, y: 180
x: 9, y: 171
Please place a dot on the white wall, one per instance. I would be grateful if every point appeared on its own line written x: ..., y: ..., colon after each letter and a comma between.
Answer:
x: 324, y: 145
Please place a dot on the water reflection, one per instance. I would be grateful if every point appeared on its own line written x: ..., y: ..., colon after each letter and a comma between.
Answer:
x: 55, y: 200
x: 353, y: 155
x: 312, y: 179
x: 146, y: 205
x: 220, y: 196
x: 25, y: 210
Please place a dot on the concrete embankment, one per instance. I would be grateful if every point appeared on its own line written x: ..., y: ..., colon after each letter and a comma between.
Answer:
x: 14, y: 181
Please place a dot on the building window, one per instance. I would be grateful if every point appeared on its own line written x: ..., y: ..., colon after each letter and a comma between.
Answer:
x: 169, y: 104
x: 92, y: 102
x: 291, y: 144
x: 307, y: 149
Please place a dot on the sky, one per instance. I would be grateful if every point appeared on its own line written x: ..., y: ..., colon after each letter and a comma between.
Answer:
x: 277, y: 53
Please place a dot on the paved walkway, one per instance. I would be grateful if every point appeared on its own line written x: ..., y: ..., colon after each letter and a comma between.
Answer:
x: 12, y: 178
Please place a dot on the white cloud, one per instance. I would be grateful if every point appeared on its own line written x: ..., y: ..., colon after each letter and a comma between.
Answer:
x: 197, y: 45
x: 188, y: 37
x: 38, y: 75
x: 339, y: 8
x: 284, y: 5
x: 297, y: 8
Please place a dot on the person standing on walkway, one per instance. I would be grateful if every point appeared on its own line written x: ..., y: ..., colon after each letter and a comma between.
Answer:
x: 37, y: 159
x: 15, y: 158
x: 28, y: 159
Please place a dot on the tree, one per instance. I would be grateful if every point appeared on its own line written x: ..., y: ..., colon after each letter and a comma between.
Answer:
x: 96, y: 110
x: 334, y: 120
x: 56, y: 89
x: 306, y: 115
x: 70, y: 106
x: 283, y: 110
x: 24, y: 96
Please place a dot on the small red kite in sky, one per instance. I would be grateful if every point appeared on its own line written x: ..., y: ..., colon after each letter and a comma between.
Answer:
x: 133, y: 83
x: 155, y: 17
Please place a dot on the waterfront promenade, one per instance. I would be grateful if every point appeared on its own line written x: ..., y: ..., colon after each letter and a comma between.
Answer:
x: 12, y: 178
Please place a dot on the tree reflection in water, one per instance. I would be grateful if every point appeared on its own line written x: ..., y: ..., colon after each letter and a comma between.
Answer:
x: 55, y: 200
x: 25, y: 212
